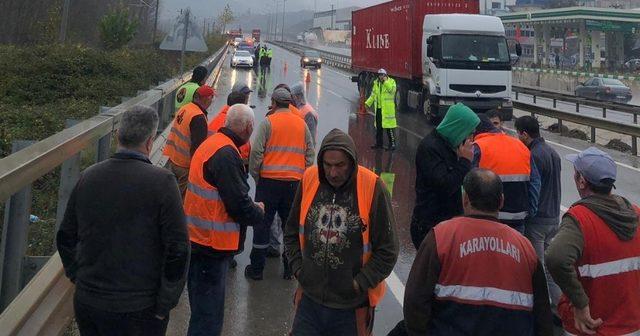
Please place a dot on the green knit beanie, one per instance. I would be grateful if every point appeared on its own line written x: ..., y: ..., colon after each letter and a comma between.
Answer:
x: 459, y: 122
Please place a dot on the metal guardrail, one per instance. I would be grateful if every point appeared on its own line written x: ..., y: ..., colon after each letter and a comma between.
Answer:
x: 44, y: 306
x: 592, y: 122
x: 555, y: 96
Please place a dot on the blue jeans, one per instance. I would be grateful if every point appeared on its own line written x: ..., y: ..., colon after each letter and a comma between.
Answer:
x: 313, y: 319
x: 206, y: 285
x: 277, y: 197
x: 540, y: 236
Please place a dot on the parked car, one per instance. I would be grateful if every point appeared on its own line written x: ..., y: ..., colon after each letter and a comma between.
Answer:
x: 242, y: 58
x: 632, y: 64
x: 608, y: 89
x: 311, y: 58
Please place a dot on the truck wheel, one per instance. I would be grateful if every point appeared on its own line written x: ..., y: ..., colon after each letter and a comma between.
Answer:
x: 401, y: 97
x: 428, y: 109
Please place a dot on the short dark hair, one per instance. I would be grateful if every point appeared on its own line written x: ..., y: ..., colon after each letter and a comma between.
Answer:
x: 236, y: 98
x: 484, y: 189
x: 528, y: 124
x: 199, y: 74
x: 281, y: 104
x: 603, y: 189
x: 493, y: 113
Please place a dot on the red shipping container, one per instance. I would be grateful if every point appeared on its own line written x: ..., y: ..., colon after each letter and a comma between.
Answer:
x: 389, y: 35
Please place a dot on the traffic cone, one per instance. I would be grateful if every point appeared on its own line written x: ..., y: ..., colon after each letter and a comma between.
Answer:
x: 308, y: 79
x: 285, y: 66
x: 361, y: 108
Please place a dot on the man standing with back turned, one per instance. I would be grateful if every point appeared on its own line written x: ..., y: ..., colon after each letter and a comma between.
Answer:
x: 595, y: 257
x: 282, y: 150
x: 341, y: 242
x: 185, y: 93
x: 123, y: 240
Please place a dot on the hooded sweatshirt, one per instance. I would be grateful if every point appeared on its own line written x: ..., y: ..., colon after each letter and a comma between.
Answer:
x: 568, y: 245
x: 458, y: 124
x: 332, y: 258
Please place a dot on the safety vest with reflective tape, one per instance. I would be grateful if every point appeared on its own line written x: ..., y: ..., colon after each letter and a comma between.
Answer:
x: 383, y: 97
x: 218, y: 122
x: 483, y: 263
x: 365, y: 186
x: 284, y: 152
x: 511, y: 160
x: 304, y: 111
x: 207, y: 219
x: 184, y: 95
x: 609, y: 271
x: 178, y: 147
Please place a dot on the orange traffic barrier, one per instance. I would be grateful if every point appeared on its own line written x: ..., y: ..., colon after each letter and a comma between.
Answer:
x: 361, y: 107
x: 308, y: 79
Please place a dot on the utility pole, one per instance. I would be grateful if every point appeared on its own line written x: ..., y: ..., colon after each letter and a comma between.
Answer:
x: 65, y: 20
x: 282, y: 36
x: 332, y: 14
x: 275, y: 14
x: 155, y: 22
x: 204, y: 28
x: 184, y: 40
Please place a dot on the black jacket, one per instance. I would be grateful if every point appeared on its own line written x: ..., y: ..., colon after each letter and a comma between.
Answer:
x: 549, y: 165
x: 439, y: 175
x: 226, y: 170
x: 123, y: 239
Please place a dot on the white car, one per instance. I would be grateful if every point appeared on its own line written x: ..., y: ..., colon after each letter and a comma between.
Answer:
x: 242, y: 58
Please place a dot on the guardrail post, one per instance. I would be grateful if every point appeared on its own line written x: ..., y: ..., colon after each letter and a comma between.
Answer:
x: 554, y: 103
x: 593, y: 134
x: 14, y: 238
x: 517, y: 95
x: 69, y: 175
x: 604, y: 112
x: 104, y: 144
x: 634, y: 140
x: 534, y: 99
x: 577, y: 107
x: 560, y: 126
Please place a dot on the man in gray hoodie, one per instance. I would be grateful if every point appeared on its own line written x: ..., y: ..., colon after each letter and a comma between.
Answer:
x: 340, y: 217
x: 595, y: 257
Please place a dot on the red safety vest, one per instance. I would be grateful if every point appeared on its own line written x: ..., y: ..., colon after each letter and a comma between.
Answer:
x: 284, y: 152
x: 511, y: 160
x: 484, y: 263
x: 218, y: 122
x: 178, y: 147
x: 207, y: 218
x: 365, y: 186
x: 609, y: 270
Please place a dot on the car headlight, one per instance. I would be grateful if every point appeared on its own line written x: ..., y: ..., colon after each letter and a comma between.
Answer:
x: 234, y: 60
x: 319, y: 60
x: 306, y: 59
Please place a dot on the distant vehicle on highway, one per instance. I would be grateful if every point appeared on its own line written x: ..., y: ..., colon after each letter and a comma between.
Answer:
x: 246, y: 47
x: 311, y: 58
x: 607, y: 89
x: 632, y: 64
x: 242, y: 58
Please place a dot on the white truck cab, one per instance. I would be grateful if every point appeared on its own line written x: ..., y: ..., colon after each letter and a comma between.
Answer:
x: 467, y: 60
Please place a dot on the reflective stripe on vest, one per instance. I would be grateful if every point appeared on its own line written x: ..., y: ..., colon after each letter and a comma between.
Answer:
x: 610, y: 268
x: 365, y: 185
x: 479, y: 294
x: 208, y: 222
x: 609, y: 271
x: 513, y: 215
x: 284, y: 153
x: 178, y: 147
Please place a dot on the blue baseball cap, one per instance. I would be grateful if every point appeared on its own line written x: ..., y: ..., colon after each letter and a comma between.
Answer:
x: 596, y: 166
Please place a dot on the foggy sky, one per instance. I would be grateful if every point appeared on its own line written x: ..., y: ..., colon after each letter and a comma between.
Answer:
x: 211, y: 8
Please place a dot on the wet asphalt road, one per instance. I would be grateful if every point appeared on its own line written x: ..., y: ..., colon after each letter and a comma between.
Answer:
x: 265, y: 307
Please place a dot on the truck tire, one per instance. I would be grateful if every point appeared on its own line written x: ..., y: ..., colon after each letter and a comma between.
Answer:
x: 428, y: 109
x: 401, y: 96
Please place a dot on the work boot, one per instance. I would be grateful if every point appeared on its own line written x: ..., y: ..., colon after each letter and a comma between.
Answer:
x: 250, y: 273
x: 272, y: 252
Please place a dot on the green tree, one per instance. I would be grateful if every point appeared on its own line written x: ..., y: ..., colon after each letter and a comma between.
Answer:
x: 226, y: 17
x: 116, y: 29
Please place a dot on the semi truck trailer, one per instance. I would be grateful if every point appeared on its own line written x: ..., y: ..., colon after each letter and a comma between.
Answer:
x: 440, y: 52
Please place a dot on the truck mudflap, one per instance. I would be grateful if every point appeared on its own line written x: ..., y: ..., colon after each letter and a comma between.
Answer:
x: 504, y: 106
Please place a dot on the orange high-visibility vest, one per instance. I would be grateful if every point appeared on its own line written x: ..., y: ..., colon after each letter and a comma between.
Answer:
x: 218, y: 122
x: 306, y: 109
x: 284, y: 153
x: 365, y: 186
x: 207, y: 219
x: 609, y: 271
x: 178, y: 147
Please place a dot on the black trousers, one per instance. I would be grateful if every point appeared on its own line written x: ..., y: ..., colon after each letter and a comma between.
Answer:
x: 380, y: 131
x: 95, y: 322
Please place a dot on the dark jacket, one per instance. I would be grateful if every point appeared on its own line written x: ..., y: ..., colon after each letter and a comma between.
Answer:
x: 198, y: 129
x: 422, y: 310
x: 123, y: 239
x: 567, y: 246
x: 226, y: 170
x: 548, y: 163
x: 439, y: 175
x: 327, y: 270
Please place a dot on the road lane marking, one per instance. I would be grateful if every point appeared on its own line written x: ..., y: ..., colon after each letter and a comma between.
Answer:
x: 397, y: 287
